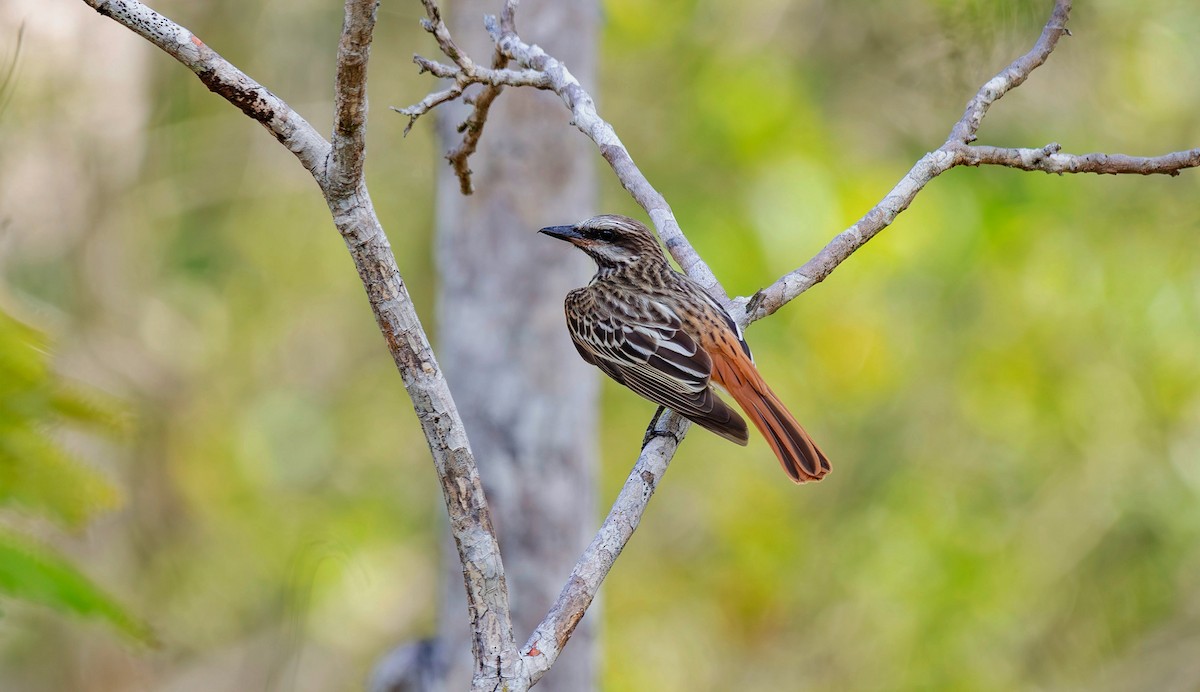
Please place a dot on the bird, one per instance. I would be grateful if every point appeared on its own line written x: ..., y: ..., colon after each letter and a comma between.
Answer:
x: 662, y: 335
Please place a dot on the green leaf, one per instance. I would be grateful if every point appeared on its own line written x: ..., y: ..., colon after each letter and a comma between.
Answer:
x: 32, y: 574
x: 36, y: 474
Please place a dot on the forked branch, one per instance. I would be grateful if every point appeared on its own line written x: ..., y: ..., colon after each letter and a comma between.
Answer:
x: 338, y: 171
x: 551, y: 635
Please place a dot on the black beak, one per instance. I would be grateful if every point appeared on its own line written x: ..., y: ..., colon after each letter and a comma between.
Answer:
x: 567, y: 233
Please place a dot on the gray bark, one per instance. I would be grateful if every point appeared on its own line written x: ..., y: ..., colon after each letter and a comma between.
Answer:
x: 524, y: 394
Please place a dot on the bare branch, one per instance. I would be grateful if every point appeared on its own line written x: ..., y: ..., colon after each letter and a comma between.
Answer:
x: 556, y: 77
x: 430, y: 102
x: 223, y: 79
x: 844, y: 244
x: 472, y: 127
x: 436, y: 68
x: 588, y: 120
x: 350, y: 96
x: 467, y: 73
x: 441, y: 33
x: 340, y: 177
x: 1012, y: 76
x: 549, y: 638
x: 933, y: 164
x: 472, y: 130
x: 956, y: 152
x: 1049, y: 159
x: 463, y: 78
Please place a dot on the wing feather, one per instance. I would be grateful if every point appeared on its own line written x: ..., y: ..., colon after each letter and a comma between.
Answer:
x: 642, y: 345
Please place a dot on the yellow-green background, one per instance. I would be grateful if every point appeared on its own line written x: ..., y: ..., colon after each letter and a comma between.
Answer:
x: 1007, y: 380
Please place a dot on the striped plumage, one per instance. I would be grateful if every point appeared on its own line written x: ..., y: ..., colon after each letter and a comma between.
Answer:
x: 659, y: 333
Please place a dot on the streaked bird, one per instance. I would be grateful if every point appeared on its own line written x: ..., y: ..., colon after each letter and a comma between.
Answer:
x: 659, y: 333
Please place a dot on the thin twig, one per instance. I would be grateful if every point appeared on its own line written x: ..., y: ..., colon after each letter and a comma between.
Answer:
x: 472, y: 128
x: 464, y: 73
x: 428, y: 103
x: 464, y: 77
x: 555, y: 77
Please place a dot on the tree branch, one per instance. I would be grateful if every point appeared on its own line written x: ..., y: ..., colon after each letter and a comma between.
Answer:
x: 467, y: 73
x: 552, y: 634
x: 222, y: 79
x: 1012, y: 76
x: 555, y: 76
x: 957, y: 152
x: 338, y: 170
x: 350, y: 96
x: 844, y: 244
x: 472, y: 128
x: 931, y: 165
x: 1050, y: 159
x: 548, y: 639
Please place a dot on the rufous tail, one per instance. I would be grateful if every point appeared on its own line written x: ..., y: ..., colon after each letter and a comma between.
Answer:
x: 798, y: 454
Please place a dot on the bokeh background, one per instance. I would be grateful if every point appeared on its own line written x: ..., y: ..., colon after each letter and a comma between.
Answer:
x: 229, y: 490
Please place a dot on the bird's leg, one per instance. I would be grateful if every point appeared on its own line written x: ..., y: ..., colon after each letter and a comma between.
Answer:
x: 652, y: 430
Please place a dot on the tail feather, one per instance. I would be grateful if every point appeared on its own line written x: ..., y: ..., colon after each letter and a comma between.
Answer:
x: 801, y: 458
x: 798, y: 454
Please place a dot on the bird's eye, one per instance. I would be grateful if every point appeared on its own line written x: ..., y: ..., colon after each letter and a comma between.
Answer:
x: 606, y: 235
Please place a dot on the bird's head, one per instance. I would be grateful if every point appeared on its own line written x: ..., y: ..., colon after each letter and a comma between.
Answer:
x: 612, y: 240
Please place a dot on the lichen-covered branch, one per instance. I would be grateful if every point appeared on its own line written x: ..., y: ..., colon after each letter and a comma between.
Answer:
x: 338, y: 171
x: 463, y: 76
x: 464, y: 73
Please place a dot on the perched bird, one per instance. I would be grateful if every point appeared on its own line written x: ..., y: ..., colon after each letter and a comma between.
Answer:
x: 659, y: 333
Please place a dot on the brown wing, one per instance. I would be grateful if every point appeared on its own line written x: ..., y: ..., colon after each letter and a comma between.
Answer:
x: 641, y: 344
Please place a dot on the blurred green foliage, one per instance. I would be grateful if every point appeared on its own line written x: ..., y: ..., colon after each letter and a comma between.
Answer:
x: 36, y: 473
x: 1007, y: 380
x: 33, y: 574
x: 39, y: 477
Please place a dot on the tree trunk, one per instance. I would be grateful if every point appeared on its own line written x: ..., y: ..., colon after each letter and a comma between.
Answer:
x: 528, y: 402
